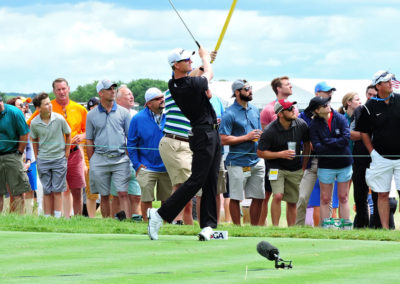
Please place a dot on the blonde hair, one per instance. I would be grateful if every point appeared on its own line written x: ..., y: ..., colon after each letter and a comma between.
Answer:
x: 346, y: 98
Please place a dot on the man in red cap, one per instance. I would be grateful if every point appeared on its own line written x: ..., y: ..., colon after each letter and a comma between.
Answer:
x: 281, y: 144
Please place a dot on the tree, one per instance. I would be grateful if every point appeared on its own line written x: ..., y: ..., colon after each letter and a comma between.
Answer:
x: 138, y: 88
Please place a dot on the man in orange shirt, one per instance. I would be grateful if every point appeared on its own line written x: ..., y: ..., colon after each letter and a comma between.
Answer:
x: 75, y: 114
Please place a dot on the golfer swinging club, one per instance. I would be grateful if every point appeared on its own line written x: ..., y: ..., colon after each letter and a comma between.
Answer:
x: 192, y: 96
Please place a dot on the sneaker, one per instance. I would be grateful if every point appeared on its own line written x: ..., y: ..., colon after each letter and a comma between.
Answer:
x: 328, y: 223
x: 155, y: 223
x: 179, y: 223
x: 346, y: 224
x: 205, y: 234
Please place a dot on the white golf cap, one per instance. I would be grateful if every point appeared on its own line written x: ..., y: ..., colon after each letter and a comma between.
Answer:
x: 381, y: 76
x: 104, y: 85
x: 151, y: 94
x: 179, y: 54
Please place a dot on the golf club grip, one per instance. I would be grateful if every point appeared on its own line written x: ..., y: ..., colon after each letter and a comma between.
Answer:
x: 198, y: 44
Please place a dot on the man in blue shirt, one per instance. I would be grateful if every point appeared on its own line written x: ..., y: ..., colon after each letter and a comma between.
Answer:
x: 241, y: 129
x: 145, y: 133
x: 13, y: 136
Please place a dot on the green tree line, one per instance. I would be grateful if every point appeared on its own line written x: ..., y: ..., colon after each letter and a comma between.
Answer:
x: 138, y: 88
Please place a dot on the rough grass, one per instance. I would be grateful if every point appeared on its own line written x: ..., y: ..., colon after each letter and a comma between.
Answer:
x: 11, y: 222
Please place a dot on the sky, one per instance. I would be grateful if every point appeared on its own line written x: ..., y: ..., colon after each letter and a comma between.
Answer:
x: 84, y: 41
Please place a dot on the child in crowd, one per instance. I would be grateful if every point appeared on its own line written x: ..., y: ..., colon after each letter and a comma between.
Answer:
x: 51, y: 136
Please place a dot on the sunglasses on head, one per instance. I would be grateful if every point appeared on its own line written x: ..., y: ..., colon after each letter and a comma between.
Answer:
x: 289, y: 108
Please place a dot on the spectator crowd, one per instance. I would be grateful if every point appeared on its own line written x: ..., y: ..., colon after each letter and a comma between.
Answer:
x: 108, y: 156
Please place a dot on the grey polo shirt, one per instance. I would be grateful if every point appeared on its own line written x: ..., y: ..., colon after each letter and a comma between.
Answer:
x: 108, y: 130
x: 51, y: 136
x: 275, y: 139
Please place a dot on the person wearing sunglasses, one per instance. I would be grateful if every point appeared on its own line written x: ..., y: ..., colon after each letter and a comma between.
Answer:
x: 241, y: 130
x: 283, y: 90
x: 191, y: 94
x: 309, y: 185
x: 145, y: 133
x: 281, y: 144
x: 330, y: 136
x: 107, y: 127
x: 379, y: 125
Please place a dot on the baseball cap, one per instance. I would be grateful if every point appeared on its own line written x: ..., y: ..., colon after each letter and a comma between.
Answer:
x: 151, y: 94
x: 315, y: 103
x: 92, y: 102
x: 179, y: 54
x: 104, y: 85
x: 381, y: 76
x: 323, y: 87
x: 281, y: 105
x: 237, y: 85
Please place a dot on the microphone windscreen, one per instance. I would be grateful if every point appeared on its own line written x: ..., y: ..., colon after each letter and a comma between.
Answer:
x: 267, y: 250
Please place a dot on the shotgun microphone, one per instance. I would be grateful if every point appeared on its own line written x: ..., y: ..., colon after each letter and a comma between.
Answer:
x: 271, y: 252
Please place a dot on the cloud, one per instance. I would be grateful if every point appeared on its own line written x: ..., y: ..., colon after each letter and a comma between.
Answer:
x: 88, y: 41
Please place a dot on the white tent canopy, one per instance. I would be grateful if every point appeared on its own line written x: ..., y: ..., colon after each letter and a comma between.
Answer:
x: 303, y: 91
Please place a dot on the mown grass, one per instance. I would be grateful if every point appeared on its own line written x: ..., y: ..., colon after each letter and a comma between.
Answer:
x: 11, y: 222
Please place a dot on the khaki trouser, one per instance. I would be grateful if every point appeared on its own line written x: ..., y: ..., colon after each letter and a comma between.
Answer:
x: 306, y: 187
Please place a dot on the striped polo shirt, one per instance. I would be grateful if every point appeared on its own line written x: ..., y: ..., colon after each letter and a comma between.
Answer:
x: 176, y: 123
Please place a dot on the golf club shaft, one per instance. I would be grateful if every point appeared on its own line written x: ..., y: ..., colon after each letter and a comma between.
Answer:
x: 221, y: 36
x: 184, y: 23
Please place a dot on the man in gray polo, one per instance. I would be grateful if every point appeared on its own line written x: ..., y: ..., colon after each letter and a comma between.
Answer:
x: 106, y: 130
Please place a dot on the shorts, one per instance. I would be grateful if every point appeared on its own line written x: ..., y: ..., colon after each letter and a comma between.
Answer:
x: 133, y: 188
x: 177, y: 158
x: 75, y: 173
x: 12, y: 172
x: 381, y: 171
x: 52, y: 174
x: 221, y: 184
x: 103, y: 169
x: 241, y: 187
x: 328, y: 176
x: 315, y: 197
x: 159, y: 181
x: 32, y: 175
x: 287, y: 183
x: 267, y: 183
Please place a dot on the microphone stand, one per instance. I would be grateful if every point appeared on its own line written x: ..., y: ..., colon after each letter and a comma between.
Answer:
x: 284, y: 263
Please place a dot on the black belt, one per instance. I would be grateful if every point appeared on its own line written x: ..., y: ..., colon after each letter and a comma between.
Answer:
x: 74, y: 149
x: 177, y: 137
x: 206, y: 126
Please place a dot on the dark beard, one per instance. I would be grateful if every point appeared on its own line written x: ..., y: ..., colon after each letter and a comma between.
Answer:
x: 246, y: 98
